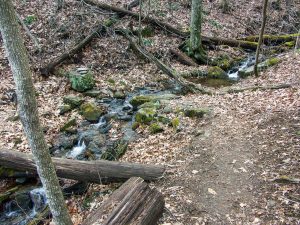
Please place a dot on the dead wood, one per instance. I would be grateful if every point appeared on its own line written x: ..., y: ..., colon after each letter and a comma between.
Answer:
x: 183, y: 58
x: 99, y: 171
x: 255, y: 88
x: 133, y: 203
x: 142, y: 52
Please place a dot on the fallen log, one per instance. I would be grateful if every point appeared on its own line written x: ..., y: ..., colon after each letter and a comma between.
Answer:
x: 183, y: 58
x: 187, y: 86
x: 167, y: 27
x: 230, y: 42
x: 273, y: 39
x: 133, y: 203
x: 48, y: 69
x: 255, y: 88
x: 98, y: 171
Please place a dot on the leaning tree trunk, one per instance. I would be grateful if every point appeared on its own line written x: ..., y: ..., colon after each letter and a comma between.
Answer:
x: 27, y: 106
x: 195, y: 43
x: 263, y: 24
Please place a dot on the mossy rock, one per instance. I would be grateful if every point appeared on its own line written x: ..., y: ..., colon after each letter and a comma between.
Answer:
x: 153, y: 105
x: 82, y: 82
x: 115, y: 152
x: 139, y: 100
x: 260, y: 67
x: 272, y: 61
x: 155, y: 128
x: 175, y: 123
x: 145, y: 115
x: 91, y: 112
x: 119, y: 95
x: 216, y: 73
x: 67, y: 125
x: 223, y: 61
x: 195, y: 113
x: 73, y: 101
x: 64, y: 108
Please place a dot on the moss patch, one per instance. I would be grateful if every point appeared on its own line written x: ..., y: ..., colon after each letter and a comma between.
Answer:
x: 82, y: 82
x: 91, y: 112
x: 155, y: 128
x: 216, y: 72
x: 145, y: 115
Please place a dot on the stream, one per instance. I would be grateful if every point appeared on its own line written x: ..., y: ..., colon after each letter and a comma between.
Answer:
x: 93, y: 138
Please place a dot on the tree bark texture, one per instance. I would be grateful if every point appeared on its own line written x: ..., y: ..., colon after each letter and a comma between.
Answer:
x: 98, y: 171
x: 27, y: 107
x: 133, y: 203
x: 263, y: 24
x: 195, y: 29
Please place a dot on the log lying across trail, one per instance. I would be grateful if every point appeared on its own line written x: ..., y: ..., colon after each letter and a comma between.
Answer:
x: 98, y: 171
x: 133, y: 203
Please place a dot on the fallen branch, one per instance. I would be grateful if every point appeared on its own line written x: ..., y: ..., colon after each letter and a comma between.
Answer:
x: 35, y: 41
x: 183, y: 58
x: 255, y: 88
x: 99, y: 171
x: 167, y: 27
x: 273, y: 39
x: 132, y: 4
x: 47, y: 70
x: 133, y: 203
x: 188, y: 86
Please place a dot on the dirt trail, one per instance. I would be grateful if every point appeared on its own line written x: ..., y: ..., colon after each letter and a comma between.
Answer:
x: 223, y: 183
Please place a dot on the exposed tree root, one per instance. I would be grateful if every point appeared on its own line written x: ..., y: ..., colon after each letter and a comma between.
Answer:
x: 187, y: 86
x: 273, y: 39
x: 183, y: 58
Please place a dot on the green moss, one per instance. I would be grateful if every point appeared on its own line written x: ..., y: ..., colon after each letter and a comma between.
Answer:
x: 152, y: 104
x: 140, y: 99
x: 67, y: 125
x: 289, y: 44
x: 175, y: 123
x: 64, y: 108
x: 91, y: 112
x: 163, y: 119
x: 135, y: 125
x: 82, y: 82
x: 111, y: 81
x: 272, y: 61
x: 145, y: 115
x: 216, y: 73
x: 73, y: 101
x: 195, y: 113
x: 155, y: 128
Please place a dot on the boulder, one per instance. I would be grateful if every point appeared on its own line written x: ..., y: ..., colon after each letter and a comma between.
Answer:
x: 64, y: 108
x: 73, y: 101
x: 91, y: 112
x: 82, y: 81
x: 216, y: 72
x: 145, y: 115
x: 68, y: 124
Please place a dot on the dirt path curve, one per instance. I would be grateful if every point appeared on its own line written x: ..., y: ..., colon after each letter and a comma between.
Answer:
x: 223, y: 183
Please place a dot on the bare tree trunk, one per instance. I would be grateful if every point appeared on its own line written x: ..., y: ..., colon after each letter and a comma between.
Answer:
x: 263, y: 24
x: 140, y: 24
x: 297, y: 45
x: 195, y: 45
x: 28, y: 111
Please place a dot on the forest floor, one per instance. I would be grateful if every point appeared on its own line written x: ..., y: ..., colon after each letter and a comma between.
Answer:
x: 238, y: 165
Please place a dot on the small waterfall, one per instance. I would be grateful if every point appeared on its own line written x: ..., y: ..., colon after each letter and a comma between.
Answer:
x: 77, y: 150
x: 102, y: 122
x: 234, y: 74
x: 38, y: 197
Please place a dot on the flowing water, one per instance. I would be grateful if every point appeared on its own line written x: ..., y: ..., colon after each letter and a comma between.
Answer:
x: 23, y: 207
